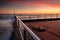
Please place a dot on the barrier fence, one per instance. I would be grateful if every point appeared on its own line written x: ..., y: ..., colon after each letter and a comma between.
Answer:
x: 41, y: 16
x: 24, y: 32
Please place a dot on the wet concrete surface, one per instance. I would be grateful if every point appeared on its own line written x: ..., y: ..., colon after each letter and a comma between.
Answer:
x: 52, y: 29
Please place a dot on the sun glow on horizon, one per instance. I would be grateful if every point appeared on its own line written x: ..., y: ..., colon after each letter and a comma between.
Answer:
x: 33, y: 10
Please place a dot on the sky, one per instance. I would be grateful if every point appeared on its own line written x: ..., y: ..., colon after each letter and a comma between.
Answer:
x: 30, y: 6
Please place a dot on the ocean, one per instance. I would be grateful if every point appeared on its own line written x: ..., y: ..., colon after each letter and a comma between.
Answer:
x: 6, y: 26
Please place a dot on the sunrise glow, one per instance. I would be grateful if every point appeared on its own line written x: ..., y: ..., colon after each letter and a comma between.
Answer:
x: 34, y: 7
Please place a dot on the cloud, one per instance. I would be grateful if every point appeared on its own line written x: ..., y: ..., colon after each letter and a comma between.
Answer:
x: 45, y: 1
x: 21, y: 3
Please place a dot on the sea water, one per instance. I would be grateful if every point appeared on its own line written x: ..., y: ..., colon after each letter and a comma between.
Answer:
x: 6, y: 27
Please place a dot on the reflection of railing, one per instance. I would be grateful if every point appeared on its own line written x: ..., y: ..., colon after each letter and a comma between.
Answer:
x: 25, y: 32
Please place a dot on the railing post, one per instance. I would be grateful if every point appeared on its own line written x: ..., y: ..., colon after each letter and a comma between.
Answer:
x: 15, y: 22
x: 56, y: 15
x: 45, y: 16
x: 16, y: 34
x: 24, y: 34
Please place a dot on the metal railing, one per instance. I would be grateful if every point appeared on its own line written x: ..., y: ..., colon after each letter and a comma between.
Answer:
x: 41, y: 16
x: 25, y: 32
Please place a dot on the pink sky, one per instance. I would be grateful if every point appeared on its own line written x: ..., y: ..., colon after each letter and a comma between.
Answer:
x: 34, y: 6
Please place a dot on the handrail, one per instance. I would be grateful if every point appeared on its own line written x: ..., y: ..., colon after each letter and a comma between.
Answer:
x: 20, y: 36
x: 42, y: 16
x: 27, y: 29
